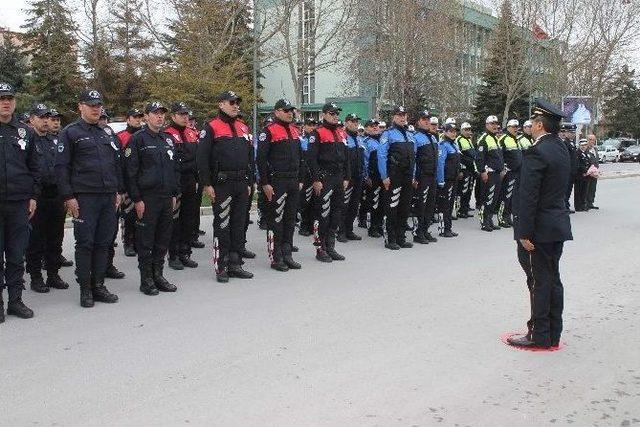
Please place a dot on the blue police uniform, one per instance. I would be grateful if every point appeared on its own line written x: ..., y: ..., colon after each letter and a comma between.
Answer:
x: 447, y: 177
x: 425, y: 200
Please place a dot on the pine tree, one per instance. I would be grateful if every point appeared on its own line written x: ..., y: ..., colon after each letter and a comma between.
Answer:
x: 13, y: 67
x: 622, y: 106
x: 52, y: 45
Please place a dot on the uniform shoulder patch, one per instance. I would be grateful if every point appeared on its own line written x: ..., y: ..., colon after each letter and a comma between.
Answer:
x: 262, y: 137
x: 22, y: 132
x: 312, y: 139
x: 127, y: 152
x: 108, y: 130
x: 169, y: 141
x: 60, y: 148
x: 481, y: 148
x: 203, y: 133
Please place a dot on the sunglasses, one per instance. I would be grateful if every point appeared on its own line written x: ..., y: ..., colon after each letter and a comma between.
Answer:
x: 234, y: 102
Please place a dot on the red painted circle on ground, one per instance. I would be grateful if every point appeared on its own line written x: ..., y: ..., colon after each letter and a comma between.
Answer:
x: 504, y: 337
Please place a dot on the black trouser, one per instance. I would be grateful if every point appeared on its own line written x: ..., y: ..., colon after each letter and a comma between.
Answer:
x: 580, y: 194
x: 112, y: 249
x: 229, y: 217
x: 542, y: 268
x: 196, y: 226
x: 128, y: 214
x: 352, y: 197
x: 397, y: 201
x: 506, y: 196
x: 488, y: 197
x: 570, y: 187
x: 261, y: 205
x: 306, y: 206
x: 153, y: 230
x: 328, y: 209
x: 281, y: 215
x: 374, y: 204
x: 364, y: 208
x: 14, y: 238
x: 465, y: 189
x: 47, y: 232
x: 249, y: 203
x: 446, y: 195
x: 94, y: 234
x: 425, y: 203
x: 592, y: 183
x: 184, y: 218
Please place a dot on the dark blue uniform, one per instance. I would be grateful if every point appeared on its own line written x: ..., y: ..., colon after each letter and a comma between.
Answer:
x: 353, y: 194
x: 19, y: 182
x: 426, y: 168
x: 89, y: 170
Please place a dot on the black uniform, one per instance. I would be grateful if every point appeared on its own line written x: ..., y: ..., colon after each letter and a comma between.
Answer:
x: 541, y: 216
x: 89, y: 170
x: 19, y: 182
x: 592, y: 182
x: 153, y: 178
x: 47, y: 225
x: 573, y: 161
x: 373, y: 193
x: 489, y: 160
x: 353, y: 193
x: 468, y: 157
x: 280, y: 164
x: 128, y: 212
x: 512, y: 161
x: 583, y: 163
x: 305, y: 199
x: 449, y: 155
x: 426, y: 168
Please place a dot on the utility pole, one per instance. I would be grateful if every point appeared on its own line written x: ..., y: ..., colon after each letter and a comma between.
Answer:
x: 255, y: 67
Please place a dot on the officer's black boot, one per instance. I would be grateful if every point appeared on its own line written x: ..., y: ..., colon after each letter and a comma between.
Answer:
x: 101, y: 293
x: 113, y: 273
x: 175, y: 263
x: 1, y: 307
x: 160, y: 281
x: 420, y: 237
x: 16, y: 307
x: 195, y: 243
x: 331, y: 249
x: 288, y: 259
x: 322, y: 255
x: 55, y: 281
x: 188, y: 262
x: 246, y: 253
x: 353, y: 236
x: 37, y: 283
x: 86, y: 296
x: 65, y: 262
x: 130, y: 251
x: 222, y: 276
x: 147, y: 286
x: 342, y: 237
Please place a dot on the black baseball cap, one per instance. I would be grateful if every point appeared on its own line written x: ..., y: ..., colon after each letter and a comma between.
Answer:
x: 7, y: 90
x: 449, y: 126
x: 90, y: 97
x: 311, y: 121
x: 371, y: 122
x: 544, y: 108
x: 399, y: 109
x: 424, y: 114
x: 284, y: 104
x: 179, y: 108
x: 154, y: 106
x: 54, y: 112
x: 39, y: 110
x: 568, y: 127
x: 134, y: 112
x: 352, y: 117
x: 229, y: 96
x: 330, y: 107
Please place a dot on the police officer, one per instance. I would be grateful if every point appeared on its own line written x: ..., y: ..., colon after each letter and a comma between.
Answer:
x: 225, y: 162
x: 47, y: 225
x: 490, y: 165
x: 468, y: 156
x: 19, y: 189
x: 373, y: 184
x: 512, y: 160
x: 103, y: 121
x: 353, y: 193
x: 153, y: 178
x: 426, y: 167
x: 542, y: 225
x: 187, y: 207
x: 583, y: 163
x: 329, y: 166
x: 90, y: 181
x: 134, y: 124
x: 592, y: 180
x: 306, y: 207
x: 447, y: 176
x: 280, y: 168
x: 396, y: 163
x: 525, y: 140
x: 568, y: 136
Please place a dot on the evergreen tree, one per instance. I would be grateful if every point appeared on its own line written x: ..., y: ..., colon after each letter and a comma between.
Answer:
x: 51, y: 42
x: 622, y: 106
x: 13, y: 67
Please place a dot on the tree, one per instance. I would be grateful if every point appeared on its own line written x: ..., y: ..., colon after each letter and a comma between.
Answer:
x: 622, y: 104
x: 51, y: 43
x: 13, y: 67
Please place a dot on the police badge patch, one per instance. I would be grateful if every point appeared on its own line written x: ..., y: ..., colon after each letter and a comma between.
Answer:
x: 127, y: 152
x: 203, y: 133
x: 60, y: 148
x: 312, y: 139
x: 170, y: 154
x: 481, y: 148
x: 169, y: 141
x: 22, y: 143
x: 108, y: 130
x: 262, y: 137
x: 22, y: 132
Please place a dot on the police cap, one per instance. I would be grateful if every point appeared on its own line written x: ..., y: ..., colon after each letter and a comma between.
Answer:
x: 154, y: 106
x: 371, y: 123
x: 284, y: 104
x: 311, y: 121
x: 229, y: 96
x: 568, y: 127
x: 54, y: 113
x: 179, y: 108
x: 544, y: 108
x: 398, y: 110
x: 351, y: 117
x: 330, y: 107
x: 449, y: 126
x: 90, y: 97
x: 424, y: 114
x: 39, y: 110
x: 6, y: 89
x: 134, y: 112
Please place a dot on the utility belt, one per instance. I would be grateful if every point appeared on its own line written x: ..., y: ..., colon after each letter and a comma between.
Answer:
x: 284, y: 175
x: 231, y: 176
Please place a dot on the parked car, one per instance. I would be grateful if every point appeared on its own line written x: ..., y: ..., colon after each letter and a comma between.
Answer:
x: 631, y: 154
x: 620, y: 143
x: 608, y: 153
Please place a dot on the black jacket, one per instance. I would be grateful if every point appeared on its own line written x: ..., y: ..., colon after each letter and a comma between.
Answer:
x: 151, y: 165
x: 539, y: 207
x: 489, y: 153
x: 89, y: 160
x: 327, y: 153
x: 19, y: 162
x: 48, y: 149
x: 427, y: 155
x: 279, y: 153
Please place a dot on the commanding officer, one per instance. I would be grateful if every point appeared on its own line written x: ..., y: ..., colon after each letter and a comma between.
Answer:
x: 47, y: 225
x: 468, y: 157
x: 542, y: 225
x: 89, y: 180
x: 512, y: 161
x: 188, y: 208
x: 330, y: 173
x: 225, y: 162
x: 152, y: 180
x: 19, y: 188
x: 306, y: 208
x: 396, y: 163
x: 280, y: 168
x: 426, y: 167
x: 134, y: 124
x: 490, y: 165
x: 568, y: 136
x: 353, y: 193
x: 373, y: 183
x: 448, y: 171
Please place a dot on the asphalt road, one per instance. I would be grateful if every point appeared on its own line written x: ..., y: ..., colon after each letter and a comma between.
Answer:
x: 408, y: 338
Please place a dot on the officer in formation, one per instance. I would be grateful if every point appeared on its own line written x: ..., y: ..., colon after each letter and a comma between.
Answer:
x: 490, y: 166
x: 512, y: 156
x: 152, y: 171
x: 468, y: 158
x: 426, y: 170
x: 353, y: 194
x: 306, y: 207
x: 568, y: 135
x: 581, y: 187
x: 373, y: 205
x: 447, y: 176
